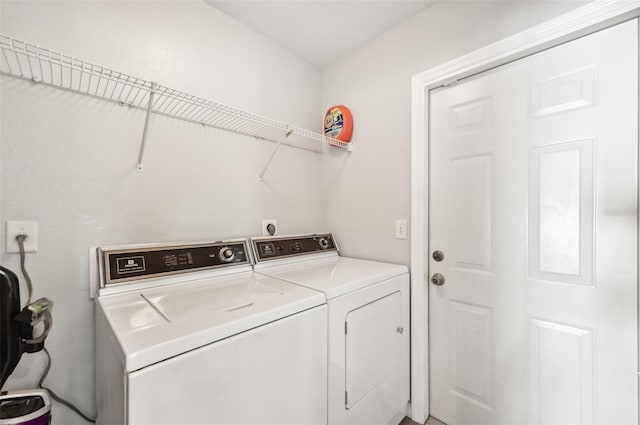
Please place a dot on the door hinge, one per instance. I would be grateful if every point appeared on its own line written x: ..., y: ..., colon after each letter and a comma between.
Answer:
x: 345, y: 398
x: 345, y: 328
x: 450, y: 83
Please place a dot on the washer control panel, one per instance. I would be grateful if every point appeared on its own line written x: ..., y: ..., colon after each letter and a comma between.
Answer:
x: 290, y: 246
x: 139, y: 263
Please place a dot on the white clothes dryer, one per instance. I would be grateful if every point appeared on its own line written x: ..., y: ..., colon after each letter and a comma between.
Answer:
x: 188, y: 334
x: 368, y: 377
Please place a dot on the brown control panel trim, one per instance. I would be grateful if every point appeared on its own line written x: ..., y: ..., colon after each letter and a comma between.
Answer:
x: 133, y: 264
x: 292, y: 246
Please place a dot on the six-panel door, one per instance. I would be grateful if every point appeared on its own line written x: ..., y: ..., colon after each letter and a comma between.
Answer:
x: 533, y: 201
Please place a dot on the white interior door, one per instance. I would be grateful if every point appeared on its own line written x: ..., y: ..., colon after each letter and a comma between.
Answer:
x: 533, y: 203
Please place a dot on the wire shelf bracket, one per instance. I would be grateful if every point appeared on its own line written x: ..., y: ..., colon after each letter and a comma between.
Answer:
x: 273, y: 154
x: 27, y: 61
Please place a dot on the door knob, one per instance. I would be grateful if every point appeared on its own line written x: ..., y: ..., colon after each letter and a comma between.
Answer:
x: 438, y: 255
x: 437, y: 279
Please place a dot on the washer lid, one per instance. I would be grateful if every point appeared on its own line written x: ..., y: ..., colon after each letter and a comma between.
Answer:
x: 198, y: 299
x: 154, y: 324
x: 335, y: 276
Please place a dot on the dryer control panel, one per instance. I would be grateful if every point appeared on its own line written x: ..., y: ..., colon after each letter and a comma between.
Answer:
x: 290, y: 246
x: 121, y: 264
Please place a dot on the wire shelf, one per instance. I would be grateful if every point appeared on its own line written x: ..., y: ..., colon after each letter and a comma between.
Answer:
x: 27, y: 61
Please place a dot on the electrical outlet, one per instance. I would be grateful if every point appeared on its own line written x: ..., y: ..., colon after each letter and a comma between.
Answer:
x: 15, y: 228
x: 401, y: 229
x: 266, y: 229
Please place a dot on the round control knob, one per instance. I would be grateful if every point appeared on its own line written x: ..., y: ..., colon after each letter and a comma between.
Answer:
x: 226, y: 254
x: 324, y: 243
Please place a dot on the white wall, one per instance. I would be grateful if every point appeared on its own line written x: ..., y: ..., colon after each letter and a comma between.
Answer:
x: 366, y: 191
x: 68, y: 162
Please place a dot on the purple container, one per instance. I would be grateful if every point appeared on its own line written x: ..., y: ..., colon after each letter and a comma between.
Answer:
x: 32, y: 407
x: 42, y: 420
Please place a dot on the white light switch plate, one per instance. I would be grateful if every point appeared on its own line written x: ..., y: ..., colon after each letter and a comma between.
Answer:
x: 401, y: 229
x: 15, y: 228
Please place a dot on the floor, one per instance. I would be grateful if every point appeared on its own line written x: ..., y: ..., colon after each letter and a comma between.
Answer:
x: 430, y: 421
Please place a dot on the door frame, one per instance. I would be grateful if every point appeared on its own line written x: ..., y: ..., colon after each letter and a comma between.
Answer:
x: 585, y: 20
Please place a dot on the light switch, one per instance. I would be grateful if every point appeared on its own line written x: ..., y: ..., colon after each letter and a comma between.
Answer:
x: 401, y: 229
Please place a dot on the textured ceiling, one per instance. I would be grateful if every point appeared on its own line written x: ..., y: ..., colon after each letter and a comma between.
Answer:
x: 320, y: 31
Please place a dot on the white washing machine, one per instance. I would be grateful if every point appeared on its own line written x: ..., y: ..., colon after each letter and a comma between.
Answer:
x: 368, y: 376
x: 188, y: 334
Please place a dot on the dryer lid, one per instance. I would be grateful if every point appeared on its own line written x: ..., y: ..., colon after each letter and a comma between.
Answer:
x: 335, y: 276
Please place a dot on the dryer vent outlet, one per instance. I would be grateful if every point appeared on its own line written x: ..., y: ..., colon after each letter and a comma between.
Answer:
x: 269, y: 227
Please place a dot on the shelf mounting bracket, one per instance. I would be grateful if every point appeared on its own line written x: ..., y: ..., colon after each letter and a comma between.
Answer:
x: 152, y: 92
x: 284, y: 134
